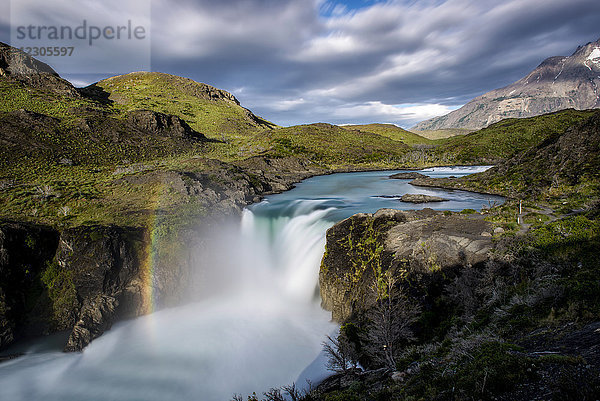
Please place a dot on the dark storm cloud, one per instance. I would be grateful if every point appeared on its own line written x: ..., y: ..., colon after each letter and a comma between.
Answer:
x: 385, y: 62
x: 298, y: 61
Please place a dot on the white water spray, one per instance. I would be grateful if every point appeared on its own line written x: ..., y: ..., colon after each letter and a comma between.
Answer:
x: 259, y: 330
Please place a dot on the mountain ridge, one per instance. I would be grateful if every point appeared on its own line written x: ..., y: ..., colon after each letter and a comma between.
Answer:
x: 557, y: 83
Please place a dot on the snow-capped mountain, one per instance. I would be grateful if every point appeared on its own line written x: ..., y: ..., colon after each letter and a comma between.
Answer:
x: 558, y: 83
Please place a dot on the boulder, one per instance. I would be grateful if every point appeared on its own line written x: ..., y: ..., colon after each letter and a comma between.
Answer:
x: 421, y: 198
x: 407, y: 176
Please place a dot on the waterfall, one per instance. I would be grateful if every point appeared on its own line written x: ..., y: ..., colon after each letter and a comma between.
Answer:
x: 259, y: 329
x: 254, y: 321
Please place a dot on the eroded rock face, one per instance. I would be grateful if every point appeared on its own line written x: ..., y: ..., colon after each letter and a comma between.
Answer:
x: 25, y: 250
x: 96, y: 316
x: 160, y: 124
x: 6, y: 324
x: 81, y: 280
x: 418, y: 243
x: 97, y: 266
x: 19, y: 66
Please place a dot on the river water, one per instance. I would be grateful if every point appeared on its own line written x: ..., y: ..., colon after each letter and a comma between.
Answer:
x: 260, y: 326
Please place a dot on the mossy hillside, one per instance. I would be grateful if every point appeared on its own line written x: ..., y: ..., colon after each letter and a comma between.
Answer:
x: 443, y: 133
x: 491, y: 145
x: 332, y: 146
x: 35, y: 142
x: 15, y: 95
x: 508, y: 138
x: 129, y: 195
x: 391, y: 131
x: 208, y: 110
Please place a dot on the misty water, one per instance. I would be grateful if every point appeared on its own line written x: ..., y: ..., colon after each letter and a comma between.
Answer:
x: 256, y: 325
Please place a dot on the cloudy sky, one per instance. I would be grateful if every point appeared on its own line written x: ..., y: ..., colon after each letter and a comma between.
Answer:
x: 354, y: 61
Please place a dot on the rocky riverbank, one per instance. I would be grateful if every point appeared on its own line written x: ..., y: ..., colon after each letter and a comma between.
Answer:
x: 363, y: 247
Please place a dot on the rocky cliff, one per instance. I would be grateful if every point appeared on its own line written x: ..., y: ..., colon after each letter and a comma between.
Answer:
x: 420, y: 243
x: 17, y: 66
x: 557, y: 83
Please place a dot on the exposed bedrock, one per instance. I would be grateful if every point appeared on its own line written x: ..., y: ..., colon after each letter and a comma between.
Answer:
x: 416, y: 244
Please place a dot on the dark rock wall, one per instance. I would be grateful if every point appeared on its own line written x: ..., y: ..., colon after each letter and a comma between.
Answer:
x: 25, y: 251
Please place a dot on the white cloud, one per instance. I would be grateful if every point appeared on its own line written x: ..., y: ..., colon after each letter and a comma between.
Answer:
x: 378, y: 111
x: 288, y: 104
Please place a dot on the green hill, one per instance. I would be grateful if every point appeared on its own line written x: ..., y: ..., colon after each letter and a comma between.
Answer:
x: 443, y: 133
x: 507, y: 138
x: 563, y: 169
x: 391, y: 131
x: 332, y: 146
x: 214, y: 112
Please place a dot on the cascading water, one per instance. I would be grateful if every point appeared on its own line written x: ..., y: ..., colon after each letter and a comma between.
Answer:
x: 259, y: 326
x: 260, y: 331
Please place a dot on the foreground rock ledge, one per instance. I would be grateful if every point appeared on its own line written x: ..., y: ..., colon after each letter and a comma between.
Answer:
x: 421, y: 240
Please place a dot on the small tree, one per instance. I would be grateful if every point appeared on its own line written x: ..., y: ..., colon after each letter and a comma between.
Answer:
x: 341, y: 353
x: 274, y: 394
x: 293, y: 392
x: 391, y: 321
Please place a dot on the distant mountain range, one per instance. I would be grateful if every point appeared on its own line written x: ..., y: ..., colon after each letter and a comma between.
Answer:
x: 557, y: 83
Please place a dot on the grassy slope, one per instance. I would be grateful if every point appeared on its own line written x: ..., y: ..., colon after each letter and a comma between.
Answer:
x: 203, y: 107
x: 16, y: 96
x: 36, y: 187
x: 208, y: 110
x: 94, y: 132
x: 391, y: 131
x: 562, y: 171
x: 507, y: 138
x: 332, y: 146
x: 443, y: 133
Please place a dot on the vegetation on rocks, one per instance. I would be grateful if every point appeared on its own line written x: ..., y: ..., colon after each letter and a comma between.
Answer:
x: 391, y: 131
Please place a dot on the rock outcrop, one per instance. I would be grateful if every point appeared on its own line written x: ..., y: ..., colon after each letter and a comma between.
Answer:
x: 160, y: 124
x: 51, y: 281
x: 19, y: 66
x: 98, y: 267
x: 558, y: 83
x: 25, y: 250
x: 421, y: 198
x: 361, y: 248
x: 407, y: 176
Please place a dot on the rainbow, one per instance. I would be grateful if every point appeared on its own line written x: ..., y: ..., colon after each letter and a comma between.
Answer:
x: 149, y: 295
